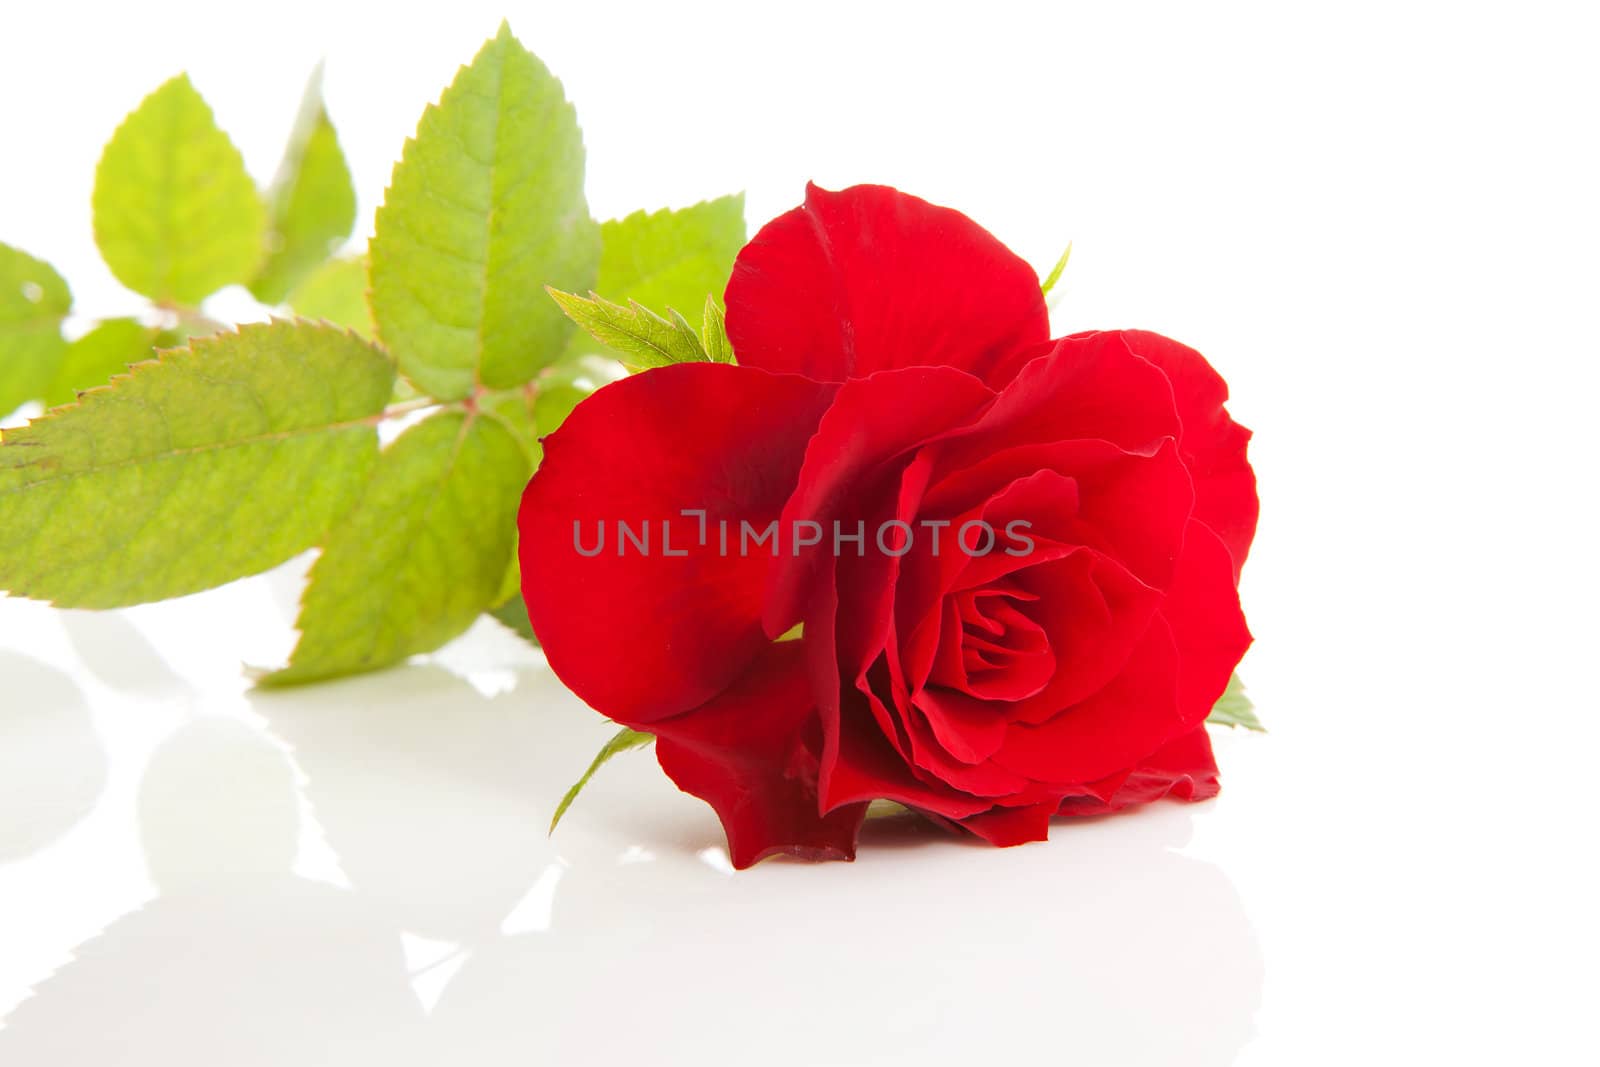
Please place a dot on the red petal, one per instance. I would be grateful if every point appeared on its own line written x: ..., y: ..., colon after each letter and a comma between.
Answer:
x: 872, y: 422
x: 967, y: 728
x: 1112, y: 730
x: 1087, y: 385
x: 743, y: 753
x: 1183, y: 768
x: 1096, y: 613
x: 640, y: 637
x: 859, y: 763
x: 1133, y: 506
x: 1045, y: 497
x: 1212, y: 444
x: 870, y: 278
x: 1207, y: 624
x: 1005, y: 827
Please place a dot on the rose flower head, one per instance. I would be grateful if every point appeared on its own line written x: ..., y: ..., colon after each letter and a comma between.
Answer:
x: 1011, y: 562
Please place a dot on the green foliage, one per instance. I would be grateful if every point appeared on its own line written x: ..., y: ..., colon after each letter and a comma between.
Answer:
x: 515, y: 411
x: 669, y: 259
x: 420, y: 557
x: 485, y: 206
x: 624, y: 740
x: 110, y: 348
x: 714, y: 332
x: 564, y: 386
x: 208, y: 464
x: 226, y: 457
x: 34, y: 299
x: 514, y: 615
x: 337, y: 292
x: 640, y: 337
x: 175, y: 214
x: 311, y: 205
x: 1056, y: 271
x: 1233, y: 708
x: 662, y: 259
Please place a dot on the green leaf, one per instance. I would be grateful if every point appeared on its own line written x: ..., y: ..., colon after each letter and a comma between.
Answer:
x: 638, y: 335
x: 515, y: 411
x: 1056, y: 271
x: 714, y: 332
x: 108, y: 349
x: 311, y: 204
x: 1233, y: 708
x: 175, y: 214
x: 514, y: 615
x: 33, y: 301
x: 564, y: 386
x: 672, y: 258
x: 485, y: 206
x: 624, y: 740
x: 337, y: 292
x: 510, y: 610
x: 205, y: 465
x: 420, y: 557
x: 663, y: 259
x: 669, y: 259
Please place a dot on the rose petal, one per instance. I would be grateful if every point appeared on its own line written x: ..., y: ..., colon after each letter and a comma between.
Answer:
x: 640, y: 637
x: 1005, y: 827
x: 1014, y: 662
x: 1208, y: 626
x: 743, y: 754
x: 858, y: 763
x: 1089, y: 385
x: 1112, y: 730
x: 850, y: 469
x: 937, y: 566
x: 1095, y: 613
x: 1213, y: 445
x: 869, y: 279
x: 1183, y: 769
x: 968, y: 729
x: 1133, y: 506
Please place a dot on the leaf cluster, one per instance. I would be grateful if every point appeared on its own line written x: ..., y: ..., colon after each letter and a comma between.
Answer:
x: 389, y: 412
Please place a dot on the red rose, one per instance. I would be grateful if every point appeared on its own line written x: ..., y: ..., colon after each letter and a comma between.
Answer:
x: 896, y: 374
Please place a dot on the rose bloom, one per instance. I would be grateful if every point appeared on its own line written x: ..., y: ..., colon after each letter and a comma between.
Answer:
x: 895, y: 363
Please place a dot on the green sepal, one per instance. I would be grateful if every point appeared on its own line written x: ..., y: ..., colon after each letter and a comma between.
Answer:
x: 624, y: 740
x: 1234, y: 708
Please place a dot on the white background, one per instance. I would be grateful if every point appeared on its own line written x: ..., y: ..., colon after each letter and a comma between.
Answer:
x: 1379, y: 220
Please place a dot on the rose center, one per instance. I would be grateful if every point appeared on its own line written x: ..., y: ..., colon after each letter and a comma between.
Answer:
x: 991, y: 646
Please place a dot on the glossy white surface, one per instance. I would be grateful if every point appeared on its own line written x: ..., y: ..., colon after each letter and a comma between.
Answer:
x: 1377, y: 219
x: 356, y: 873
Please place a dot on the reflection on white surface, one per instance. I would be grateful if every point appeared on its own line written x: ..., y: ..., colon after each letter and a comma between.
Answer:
x: 460, y: 933
x: 532, y: 914
x: 52, y: 765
